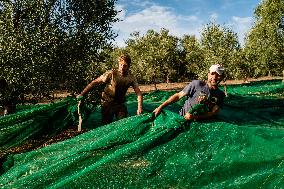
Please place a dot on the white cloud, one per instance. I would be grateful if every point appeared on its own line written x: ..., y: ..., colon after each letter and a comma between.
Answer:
x: 122, y: 11
x: 241, y: 26
x: 213, y: 17
x: 155, y: 17
x: 148, y: 15
x: 246, y: 20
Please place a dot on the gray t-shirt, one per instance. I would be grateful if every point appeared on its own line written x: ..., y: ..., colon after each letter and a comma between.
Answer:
x: 198, y: 88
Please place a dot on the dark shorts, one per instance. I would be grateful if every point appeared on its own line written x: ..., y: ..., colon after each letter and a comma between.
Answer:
x: 8, y: 107
x: 109, y: 110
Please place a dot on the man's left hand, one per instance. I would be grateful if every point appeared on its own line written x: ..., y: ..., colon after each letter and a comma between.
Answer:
x: 189, y: 116
x: 139, y: 111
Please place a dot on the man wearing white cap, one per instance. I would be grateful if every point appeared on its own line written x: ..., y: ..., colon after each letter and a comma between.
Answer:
x: 198, y: 91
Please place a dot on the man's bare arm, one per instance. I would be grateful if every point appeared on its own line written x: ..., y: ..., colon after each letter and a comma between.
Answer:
x: 174, y: 98
x: 139, y: 100
x: 90, y: 86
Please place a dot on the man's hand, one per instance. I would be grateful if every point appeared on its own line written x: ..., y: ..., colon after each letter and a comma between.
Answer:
x: 189, y: 116
x: 157, y: 111
x: 139, y: 110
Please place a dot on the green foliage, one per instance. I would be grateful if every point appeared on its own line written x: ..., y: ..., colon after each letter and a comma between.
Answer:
x: 241, y: 68
x: 265, y: 44
x: 192, y: 54
x: 64, y: 44
x: 220, y: 46
x: 154, y: 55
x: 46, y: 44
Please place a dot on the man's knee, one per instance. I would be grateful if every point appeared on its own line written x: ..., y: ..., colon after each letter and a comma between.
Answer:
x: 121, y: 115
x: 122, y: 112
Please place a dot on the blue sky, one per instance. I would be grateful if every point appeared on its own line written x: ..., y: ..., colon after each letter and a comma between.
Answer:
x: 183, y: 16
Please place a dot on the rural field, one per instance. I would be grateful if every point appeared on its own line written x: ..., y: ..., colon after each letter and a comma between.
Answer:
x: 232, y: 150
x: 71, y: 131
x: 176, y: 86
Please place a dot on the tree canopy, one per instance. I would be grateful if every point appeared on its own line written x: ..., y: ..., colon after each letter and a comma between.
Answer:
x: 264, y: 48
x: 64, y: 44
x: 45, y: 43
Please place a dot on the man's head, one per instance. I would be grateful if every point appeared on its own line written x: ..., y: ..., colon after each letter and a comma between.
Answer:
x: 124, y: 62
x: 215, y: 75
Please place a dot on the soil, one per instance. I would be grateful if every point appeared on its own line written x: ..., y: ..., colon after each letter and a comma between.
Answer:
x: 179, y: 86
x: 72, y: 130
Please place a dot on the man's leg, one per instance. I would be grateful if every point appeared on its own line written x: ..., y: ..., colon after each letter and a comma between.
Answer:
x: 9, y: 108
x: 107, y: 113
x: 121, y: 112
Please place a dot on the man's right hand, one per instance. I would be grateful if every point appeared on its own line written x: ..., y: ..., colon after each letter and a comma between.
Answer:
x: 157, y: 111
x: 189, y: 116
x: 79, y: 97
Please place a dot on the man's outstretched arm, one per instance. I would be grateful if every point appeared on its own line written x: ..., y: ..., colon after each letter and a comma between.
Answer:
x: 90, y: 86
x: 174, y: 98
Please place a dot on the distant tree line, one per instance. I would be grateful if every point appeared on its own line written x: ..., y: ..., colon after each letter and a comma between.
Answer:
x: 64, y: 44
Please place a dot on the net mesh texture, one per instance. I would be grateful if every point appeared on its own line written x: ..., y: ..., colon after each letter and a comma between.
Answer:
x: 243, y: 147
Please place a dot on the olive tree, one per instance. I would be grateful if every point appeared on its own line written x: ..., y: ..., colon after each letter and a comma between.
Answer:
x: 44, y: 43
x: 192, y: 54
x: 265, y: 41
x: 154, y: 55
x: 220, y: 46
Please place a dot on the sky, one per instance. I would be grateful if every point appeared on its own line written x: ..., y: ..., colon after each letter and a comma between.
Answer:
x: 182, y: 17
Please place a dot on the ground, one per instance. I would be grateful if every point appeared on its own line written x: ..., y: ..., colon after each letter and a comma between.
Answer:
x: 178, y: 86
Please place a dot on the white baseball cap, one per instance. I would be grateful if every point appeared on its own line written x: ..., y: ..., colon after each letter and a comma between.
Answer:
x: 217, y: 68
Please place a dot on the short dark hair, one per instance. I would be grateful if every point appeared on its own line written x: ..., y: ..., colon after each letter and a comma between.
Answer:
x: 126, y: 58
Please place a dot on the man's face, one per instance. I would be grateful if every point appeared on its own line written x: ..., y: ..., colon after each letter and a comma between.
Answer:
x: 214, y: 78
x: 122, y: 66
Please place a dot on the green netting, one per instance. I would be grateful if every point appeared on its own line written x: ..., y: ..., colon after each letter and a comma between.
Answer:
x: 33, y: 122
x: 242, y: 148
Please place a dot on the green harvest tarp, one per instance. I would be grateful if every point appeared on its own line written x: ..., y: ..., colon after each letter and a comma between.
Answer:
x: 242, y: 148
